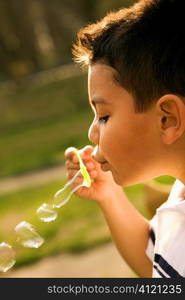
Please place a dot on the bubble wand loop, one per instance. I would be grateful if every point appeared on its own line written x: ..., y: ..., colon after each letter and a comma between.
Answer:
x: 83, y: 169
x: 86, y: 183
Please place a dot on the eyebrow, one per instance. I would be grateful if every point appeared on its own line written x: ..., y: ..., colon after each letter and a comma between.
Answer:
x: 98, y: 101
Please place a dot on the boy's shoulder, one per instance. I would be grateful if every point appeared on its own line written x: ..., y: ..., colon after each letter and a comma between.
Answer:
x: 168, y: 248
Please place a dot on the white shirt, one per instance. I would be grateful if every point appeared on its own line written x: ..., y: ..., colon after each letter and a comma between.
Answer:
x: 166, y: 245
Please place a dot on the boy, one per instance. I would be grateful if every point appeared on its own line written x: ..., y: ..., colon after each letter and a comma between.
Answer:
x: 136, y: 84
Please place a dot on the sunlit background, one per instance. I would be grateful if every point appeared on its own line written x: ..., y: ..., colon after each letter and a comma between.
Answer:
x: 44, y: 110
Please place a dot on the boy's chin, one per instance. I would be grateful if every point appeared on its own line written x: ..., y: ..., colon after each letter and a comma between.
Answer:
x: 124, y: 182
x: 119, y: 180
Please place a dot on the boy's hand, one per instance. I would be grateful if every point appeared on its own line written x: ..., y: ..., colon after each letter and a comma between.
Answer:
x: 103, y: 186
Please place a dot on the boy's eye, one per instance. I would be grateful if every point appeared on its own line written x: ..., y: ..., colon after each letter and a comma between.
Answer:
x: 103, y: 119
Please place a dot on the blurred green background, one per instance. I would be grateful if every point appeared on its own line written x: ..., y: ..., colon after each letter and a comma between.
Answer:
x: 44, y: 110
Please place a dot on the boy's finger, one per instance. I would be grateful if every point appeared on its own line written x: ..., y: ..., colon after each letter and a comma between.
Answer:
x: 70, y: 174
x: 71, y: 165
x: 69, y: 152
x: 86, y: 150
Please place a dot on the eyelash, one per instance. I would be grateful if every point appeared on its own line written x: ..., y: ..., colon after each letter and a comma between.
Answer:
x: 103, y: 119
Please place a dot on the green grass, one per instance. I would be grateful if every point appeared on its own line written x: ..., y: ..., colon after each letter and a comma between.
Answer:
x: 80, y: 224
x: 38, y: 123
x: 42, y: 146
x: 165, y: 179
x: 33, y: 106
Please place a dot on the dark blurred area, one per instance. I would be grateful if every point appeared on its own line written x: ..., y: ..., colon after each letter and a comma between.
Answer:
x: 38, y: 34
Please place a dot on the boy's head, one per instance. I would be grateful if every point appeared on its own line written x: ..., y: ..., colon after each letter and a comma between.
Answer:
x: 136, y: 60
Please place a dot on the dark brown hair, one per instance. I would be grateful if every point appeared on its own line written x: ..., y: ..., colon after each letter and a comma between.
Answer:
x: 145, y: 44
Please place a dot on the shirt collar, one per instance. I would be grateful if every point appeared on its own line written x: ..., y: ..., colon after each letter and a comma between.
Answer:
x: 176, y: 197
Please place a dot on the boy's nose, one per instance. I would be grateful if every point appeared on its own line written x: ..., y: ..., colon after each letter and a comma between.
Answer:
x: 93, y: 133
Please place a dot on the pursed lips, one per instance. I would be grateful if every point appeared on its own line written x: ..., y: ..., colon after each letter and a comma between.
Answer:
x: 104, y: 165
x: 96, y: 155
x: 102, y: 162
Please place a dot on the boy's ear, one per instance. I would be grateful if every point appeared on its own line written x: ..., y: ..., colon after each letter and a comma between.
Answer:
x: 171, y: 117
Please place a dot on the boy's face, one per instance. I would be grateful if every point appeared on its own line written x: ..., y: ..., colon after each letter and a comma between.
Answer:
x: 128, y: 143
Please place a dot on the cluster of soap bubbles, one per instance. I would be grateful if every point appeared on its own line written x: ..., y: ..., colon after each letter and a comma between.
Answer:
x: 26, y: 234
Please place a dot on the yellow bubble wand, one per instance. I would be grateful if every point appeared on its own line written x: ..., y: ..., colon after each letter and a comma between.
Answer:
x: 60, y: 198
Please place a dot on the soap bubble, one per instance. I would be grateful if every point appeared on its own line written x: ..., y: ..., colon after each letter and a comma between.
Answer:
x: 62, y: 196
x: 46, y: 213
x: 28, y: 236
x: 7, y: 257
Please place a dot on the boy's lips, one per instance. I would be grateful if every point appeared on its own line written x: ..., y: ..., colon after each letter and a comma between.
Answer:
x: 99, y: 158
x: 104, y: 166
